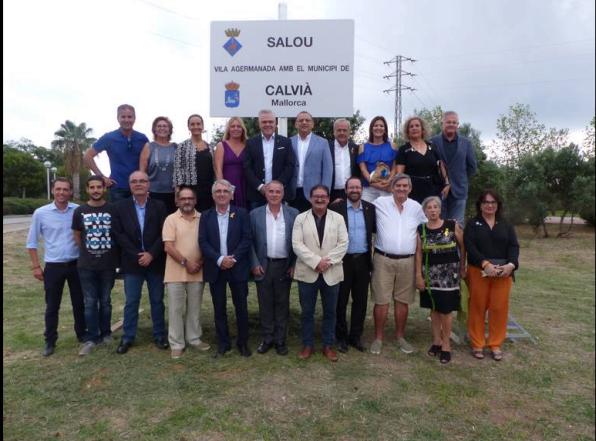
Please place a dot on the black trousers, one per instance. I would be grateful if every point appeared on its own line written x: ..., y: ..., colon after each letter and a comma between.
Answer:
x: 54, y: 277
x: 239, y: 298
x: 274, y: 302
x: 356, y: 280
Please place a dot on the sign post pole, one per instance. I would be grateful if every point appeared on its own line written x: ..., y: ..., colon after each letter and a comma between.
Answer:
x: 282, y: 123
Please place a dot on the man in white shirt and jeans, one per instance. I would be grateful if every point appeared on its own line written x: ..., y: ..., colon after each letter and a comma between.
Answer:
x: 393, y: 262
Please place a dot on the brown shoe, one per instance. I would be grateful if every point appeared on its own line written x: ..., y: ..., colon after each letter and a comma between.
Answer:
x: 305, y: 353
x: 329, y: 353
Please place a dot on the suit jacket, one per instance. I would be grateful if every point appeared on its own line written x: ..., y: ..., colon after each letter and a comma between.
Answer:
x: 354, y: 169
x: 370, y: 221
x: 258, y: 227
x: 461, y: 167
x: 128, y: 235
x: 238, y: 242
x: 318, y: 166
x: 309, y: 250
x: 283, y: 166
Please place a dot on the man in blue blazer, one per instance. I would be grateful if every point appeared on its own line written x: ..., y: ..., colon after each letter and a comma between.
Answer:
x: 224, y: 239
x: 272, y: 263
x: 314, y: 165
x: 268, y: 156
x: 458, y: 153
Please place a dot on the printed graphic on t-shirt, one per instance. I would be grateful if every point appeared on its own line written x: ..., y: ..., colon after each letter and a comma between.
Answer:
x: 98, y: 227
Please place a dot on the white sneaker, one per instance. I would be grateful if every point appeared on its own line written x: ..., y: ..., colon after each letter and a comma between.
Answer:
x: 404, y: 346
x: 376, y: 346
x: 86, y: 348
x: 201, y: 346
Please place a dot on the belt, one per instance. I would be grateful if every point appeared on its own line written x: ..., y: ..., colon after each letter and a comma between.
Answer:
x: 393, y: 256
x: 355, y: 255
x: 72, y: 262
x: 276, y: 259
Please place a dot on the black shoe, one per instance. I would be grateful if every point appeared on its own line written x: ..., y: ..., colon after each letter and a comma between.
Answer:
x: 48, y: 350
x: 281, y: 349
x: 161, y: 343
x: 434, y: 350
x: 244, y: 351
x: 264, y: 347
x: 342, y: 346
x: 221, y: 351
x: 445, y: 357
x: 123, y: 347
x: 357, y: 344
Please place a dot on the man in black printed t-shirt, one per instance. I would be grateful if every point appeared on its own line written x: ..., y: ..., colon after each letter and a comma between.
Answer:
x: 92, y: 229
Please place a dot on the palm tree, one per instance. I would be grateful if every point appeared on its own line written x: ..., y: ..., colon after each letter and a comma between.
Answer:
x: 72, y: 140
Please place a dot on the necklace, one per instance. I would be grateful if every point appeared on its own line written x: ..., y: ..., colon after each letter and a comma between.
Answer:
x: 159, y: 165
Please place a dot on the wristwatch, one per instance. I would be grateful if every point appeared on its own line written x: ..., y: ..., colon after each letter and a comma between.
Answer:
x: 183, y: 262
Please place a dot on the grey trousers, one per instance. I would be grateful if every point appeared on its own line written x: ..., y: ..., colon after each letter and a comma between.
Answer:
x: 184, y: 309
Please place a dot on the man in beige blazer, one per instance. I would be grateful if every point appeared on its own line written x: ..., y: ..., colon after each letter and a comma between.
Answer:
x: 320, y: 240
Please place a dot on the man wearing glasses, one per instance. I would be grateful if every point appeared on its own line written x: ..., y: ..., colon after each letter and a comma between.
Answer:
x: 320, y: 241
x: 138, y: 223
x: 123, y: 147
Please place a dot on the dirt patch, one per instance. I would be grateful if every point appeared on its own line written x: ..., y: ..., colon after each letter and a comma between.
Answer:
x: 9, y: 357
x: 97, y: 381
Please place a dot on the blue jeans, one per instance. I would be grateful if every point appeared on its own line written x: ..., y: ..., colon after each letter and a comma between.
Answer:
x: 308, y: 301
x: 454, y: 209
x: 133, y: 284
x: 97, y: 287
x: 118, y: 194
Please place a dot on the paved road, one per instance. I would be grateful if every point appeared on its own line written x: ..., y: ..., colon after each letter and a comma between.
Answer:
x: 15, y: 223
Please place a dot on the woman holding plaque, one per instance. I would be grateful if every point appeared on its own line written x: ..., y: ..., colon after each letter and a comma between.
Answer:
x: 376, y: 161
x: 157, y: 160
x: 420, y: 159
x: 193, y: 166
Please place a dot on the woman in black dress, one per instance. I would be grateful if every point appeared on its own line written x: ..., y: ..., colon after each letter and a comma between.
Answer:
x: 193, y: 165
x: 421, y: 161
x: 439, y: 266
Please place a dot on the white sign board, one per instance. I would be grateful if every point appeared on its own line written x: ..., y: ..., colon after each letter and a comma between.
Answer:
x: 286, y: 66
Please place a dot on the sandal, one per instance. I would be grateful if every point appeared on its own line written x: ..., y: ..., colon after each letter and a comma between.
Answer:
x: 434, y: 350
x: 478, y: 354
x: 445, y: 357
x: 497, y: 355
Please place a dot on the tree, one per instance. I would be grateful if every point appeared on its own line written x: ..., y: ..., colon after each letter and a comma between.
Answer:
x: 22, y: 175
x: 590, y: 139
x: 519, y: 133
x: 71, y: 140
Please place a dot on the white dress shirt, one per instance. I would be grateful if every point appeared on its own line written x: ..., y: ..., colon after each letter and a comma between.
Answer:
x: 268, y: 146
x: 222, y: 222
x: 302, y: 149
x: 396, y: 232
x: 342, y: 165
x: 276, y: 234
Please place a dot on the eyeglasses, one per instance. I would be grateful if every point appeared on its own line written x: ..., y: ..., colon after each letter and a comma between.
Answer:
x: 186, y: 199
x: 139, y: 181
x: 319, y: 196
x: 490, y: 202
x: 221, y: 191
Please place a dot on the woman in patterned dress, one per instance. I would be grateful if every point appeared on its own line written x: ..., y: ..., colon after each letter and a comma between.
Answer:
x: 439, y: 265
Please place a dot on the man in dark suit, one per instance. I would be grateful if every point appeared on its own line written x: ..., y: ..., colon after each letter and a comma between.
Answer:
x: 138, y: 222
x: 343, y: 155
x: 360, y: 220
x: 272, y: 263
x: 224, y: 239
x: 268, y: 157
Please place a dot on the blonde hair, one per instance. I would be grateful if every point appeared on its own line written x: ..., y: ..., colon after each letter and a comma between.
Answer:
x: 423, y: 125
x: 229, y: 123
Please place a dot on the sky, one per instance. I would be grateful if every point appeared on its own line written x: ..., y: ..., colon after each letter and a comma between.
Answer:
x: 80, y: 59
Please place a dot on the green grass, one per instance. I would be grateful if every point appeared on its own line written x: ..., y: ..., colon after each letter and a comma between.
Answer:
x: 538, y: 392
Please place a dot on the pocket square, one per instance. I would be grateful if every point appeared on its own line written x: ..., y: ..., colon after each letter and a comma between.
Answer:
x: 281, y: 148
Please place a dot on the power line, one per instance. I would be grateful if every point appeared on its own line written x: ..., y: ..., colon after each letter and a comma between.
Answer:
x: 399, y: 86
